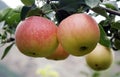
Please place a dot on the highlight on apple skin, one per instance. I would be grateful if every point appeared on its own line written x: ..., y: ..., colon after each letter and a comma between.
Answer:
x: 78, y: 34
x: 36, y: 36
x: 100, y: 58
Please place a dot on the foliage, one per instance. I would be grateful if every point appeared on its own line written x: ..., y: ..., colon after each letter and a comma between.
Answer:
x: 7, y: 50
x: 57, y: 10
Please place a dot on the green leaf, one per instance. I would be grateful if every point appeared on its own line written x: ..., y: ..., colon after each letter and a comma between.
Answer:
x: 0, y: 16
x: 68, y: 2
x: 28, y: 2
x: 100, y: 11
x: 35, y: 12
x: 111, y: 4
x: 4, y: 13
x: 24, y: 12
x: 7, y: 50
x: 14, y: 18
x: 92, y: 3
x: 116, y: 25
x: 4, y: 35
x: 46, y: 8
x: 71, y: 5
x: 104, y: 22
x: 103, y: 37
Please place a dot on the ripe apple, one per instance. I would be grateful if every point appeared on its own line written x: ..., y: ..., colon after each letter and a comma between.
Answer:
x: 100, y: 58
x: 36, y: 36
x: 78, y: 34
x: 59, y: 54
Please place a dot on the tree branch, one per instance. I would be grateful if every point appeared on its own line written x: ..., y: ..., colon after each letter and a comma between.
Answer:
x: 110, y: 11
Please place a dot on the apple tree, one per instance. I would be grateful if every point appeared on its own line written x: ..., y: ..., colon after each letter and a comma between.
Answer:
x: 57, y: 10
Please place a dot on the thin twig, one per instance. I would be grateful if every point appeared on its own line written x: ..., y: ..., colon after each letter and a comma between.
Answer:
x: 110, y: 11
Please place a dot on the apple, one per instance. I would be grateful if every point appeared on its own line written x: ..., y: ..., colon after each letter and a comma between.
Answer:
x: 78, y: 34
x: 100, y: 58
x: 36, y: 36
x: 59, y: 54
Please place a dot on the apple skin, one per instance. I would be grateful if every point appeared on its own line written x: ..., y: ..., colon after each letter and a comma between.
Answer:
x: 100, y: 58
x: 78, y: 34
x: 36, y: 36
x: 59, y: 54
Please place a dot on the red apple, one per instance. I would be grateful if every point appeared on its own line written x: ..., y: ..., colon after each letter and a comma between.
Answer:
x: 78, y: 34
x: 59, y: 54
x: 36, y: 36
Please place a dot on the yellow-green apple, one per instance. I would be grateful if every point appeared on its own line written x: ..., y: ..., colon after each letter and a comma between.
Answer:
x: 100, y: 58
x: 59, y: 54
x: 78, y: 34
x: 36, y: 36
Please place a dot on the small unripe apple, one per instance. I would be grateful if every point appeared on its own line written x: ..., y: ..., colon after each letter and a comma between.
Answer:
x: 59, y: 54
x: 78, y: 34
x: 36, y: 36
x: 100, y: 58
